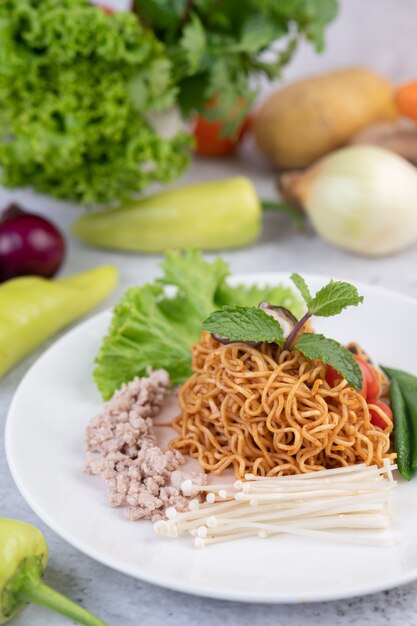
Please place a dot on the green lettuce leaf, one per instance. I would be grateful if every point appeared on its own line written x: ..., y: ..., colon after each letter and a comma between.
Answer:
x: 76, y: 88
x: 156, y: 324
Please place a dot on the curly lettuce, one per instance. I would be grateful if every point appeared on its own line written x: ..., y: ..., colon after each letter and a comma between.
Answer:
x: 155, y: 325
x: 76, y: 86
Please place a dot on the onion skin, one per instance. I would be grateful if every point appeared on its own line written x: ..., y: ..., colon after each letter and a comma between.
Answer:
x: 361, y: 198
x: 29, y: 245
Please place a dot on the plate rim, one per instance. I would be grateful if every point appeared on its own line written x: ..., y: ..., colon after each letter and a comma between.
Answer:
x: 170, y: 582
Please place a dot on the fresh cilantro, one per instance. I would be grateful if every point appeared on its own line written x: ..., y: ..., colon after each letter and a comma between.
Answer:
x: 331, y: 299
x: 239, y: 323
x: 330, y: 352
x: 155, y: 325
x: 221, y: 50
x: 193, y: 43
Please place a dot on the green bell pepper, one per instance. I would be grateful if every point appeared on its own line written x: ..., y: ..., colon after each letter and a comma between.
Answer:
x: 210, y: 215
x: 23, y: 558
x: 33, y: 308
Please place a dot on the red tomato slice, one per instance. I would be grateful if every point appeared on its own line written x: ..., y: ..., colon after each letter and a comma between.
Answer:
x: 372, y: 384
x: 333, y: 378
x: 376, y: 419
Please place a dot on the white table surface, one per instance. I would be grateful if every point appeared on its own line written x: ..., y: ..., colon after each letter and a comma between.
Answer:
x: 118, y: 599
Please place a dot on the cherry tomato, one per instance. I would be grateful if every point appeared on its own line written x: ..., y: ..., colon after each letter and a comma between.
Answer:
x: 376, y: 419
x: 372, y: 384
x: 208, y: 138
x: 333, y: 378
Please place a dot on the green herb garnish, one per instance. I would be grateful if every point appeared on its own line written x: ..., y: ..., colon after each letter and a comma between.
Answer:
x: 243, y: 324
x: 332, y: 353
x: 329, y: 300
x: 240, y: 323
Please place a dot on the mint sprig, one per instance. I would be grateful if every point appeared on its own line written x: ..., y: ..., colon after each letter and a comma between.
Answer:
x: 239, y: 323
x: 244, y: 323
x: 330, y: 300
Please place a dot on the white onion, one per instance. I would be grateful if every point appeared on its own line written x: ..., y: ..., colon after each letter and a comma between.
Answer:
x: 361, y: 198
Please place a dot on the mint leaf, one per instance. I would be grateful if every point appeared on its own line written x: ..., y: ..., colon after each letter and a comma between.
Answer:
x: 301, y: 285
x: 331, y: 353
x: 239, y: 323
x: 333, y: 298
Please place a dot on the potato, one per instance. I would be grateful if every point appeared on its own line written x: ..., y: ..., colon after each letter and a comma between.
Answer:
x: 307, y: 119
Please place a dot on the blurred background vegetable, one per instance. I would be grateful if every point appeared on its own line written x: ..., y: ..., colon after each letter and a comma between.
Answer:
x: 79, y: 85
x: 406, y: 100
x: 211, y: 215
x: 399, y: 136
x: 308, y: 119
x: 29, y: 244
x: 76, y: 87
x: 32, y: 309
x: 360, y: 198
x: 218, y: 48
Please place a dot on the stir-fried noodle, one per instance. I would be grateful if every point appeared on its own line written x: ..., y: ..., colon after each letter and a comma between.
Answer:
x: 271, y: 412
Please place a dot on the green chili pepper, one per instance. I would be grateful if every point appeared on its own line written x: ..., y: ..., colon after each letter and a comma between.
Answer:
x: 23, y: 558
x: 33, y: 308
x: 209, y: 215
x: 402, y: 431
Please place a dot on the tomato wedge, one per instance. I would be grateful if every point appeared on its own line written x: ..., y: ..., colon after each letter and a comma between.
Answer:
x: 376, y: 419
x: 372, y: 384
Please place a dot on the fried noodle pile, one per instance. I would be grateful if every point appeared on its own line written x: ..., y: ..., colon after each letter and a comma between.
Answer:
x: 270, y: 412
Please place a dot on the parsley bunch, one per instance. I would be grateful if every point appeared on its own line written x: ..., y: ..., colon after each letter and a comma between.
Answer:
x: 76, y: 87
x: 218, y: 47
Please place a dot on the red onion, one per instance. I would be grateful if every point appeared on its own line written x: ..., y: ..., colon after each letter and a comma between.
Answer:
x: 29, y: 244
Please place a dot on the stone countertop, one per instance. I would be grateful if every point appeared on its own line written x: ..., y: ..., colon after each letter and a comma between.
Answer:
x: 123, y: 601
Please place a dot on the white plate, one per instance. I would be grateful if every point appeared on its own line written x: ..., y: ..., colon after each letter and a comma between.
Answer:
x: 44, y: 444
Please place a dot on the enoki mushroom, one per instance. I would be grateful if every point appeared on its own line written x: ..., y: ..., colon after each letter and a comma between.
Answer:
x: 320, y: 504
